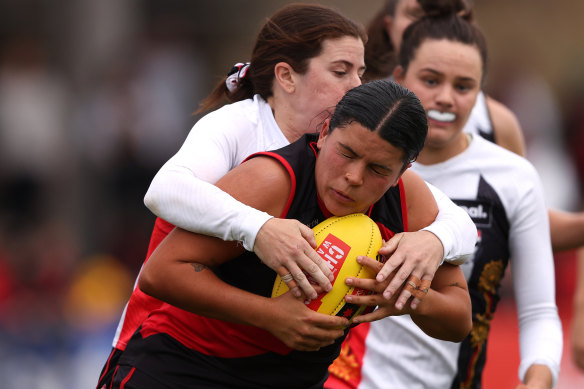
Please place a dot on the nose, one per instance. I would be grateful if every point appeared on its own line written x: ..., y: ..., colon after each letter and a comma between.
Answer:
x: 444, y: 95
x: 354, y: 175
x: 354, y: 81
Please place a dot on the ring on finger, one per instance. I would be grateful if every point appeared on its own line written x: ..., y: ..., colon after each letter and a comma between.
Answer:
x: 287, y: 278
x: 410, y: 283
x: 425, y: 286
x: 422, y: 289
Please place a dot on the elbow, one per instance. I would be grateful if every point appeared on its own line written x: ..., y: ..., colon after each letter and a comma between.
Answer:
x: 158, y: 191
x: 150, y: 200
x: 464, y: 323
x: 146, y: 283
x: 464, y: 330
x: 462, y: 319
x: 458, y: 332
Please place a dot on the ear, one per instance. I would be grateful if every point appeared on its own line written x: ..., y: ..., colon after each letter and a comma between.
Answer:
x: 284, y: 75
x: 324, y: 131
x: 399, y: 74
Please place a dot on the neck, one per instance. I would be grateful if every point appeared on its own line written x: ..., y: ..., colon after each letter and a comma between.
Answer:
x: 433, y: 154
x: 287, y: 121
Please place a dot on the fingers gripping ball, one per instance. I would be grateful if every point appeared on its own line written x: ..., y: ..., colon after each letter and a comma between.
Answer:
x: 340, y: 240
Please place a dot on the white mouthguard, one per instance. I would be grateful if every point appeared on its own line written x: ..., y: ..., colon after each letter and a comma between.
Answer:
x: 441, y: 116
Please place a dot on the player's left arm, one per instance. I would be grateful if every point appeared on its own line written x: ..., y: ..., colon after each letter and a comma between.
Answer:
x: 445, y: 310
x: 532, y: 269
x: 419, y: 254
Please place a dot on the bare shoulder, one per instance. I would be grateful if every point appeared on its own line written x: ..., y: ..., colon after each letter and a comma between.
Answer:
x: 261, y: 182
x: 508, y: 133
x: 421, y: 205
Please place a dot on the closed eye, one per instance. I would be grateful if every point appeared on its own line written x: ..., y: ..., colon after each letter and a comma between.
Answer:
x: 380, y: 170
x: 346, y: 154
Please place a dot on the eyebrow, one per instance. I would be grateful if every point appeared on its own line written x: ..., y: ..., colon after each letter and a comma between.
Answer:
x: 349, y: 149
x: 430, y: 70
x: 441, y: 74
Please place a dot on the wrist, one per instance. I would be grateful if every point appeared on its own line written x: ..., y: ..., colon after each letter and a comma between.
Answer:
x: 443, y: 236
x: 250, y: 226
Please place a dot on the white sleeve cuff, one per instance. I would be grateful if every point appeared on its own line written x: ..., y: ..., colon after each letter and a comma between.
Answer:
x: 454, y: 228
x: 445, y: 236
x: 250, y: 224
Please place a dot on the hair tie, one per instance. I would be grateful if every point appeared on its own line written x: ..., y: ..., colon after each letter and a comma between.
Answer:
x: 235, y: 75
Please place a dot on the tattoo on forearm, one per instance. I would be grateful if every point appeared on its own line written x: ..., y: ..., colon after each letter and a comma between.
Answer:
x: 199, y: 267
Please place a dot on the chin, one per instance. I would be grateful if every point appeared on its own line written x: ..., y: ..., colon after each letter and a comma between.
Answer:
x: 343, y: 211
x: 437, y: 139
x: 338, y: 210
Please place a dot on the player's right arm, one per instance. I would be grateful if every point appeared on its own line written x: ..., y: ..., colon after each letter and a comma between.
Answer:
x: 179, y: 271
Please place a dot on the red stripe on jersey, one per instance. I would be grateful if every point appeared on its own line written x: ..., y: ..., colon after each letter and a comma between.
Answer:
x: 123, y: 384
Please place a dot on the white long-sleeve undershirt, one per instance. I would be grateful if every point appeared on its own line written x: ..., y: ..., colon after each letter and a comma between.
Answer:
x: 182, y: 192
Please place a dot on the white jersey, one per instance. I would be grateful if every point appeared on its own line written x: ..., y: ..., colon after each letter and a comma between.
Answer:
x: 502, y: 193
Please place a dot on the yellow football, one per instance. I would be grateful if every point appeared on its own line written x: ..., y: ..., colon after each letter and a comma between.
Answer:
x: 340, y: 240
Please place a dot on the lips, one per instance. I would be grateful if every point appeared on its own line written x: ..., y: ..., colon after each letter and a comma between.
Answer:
x: 342, y: 197
x: 446, y: 117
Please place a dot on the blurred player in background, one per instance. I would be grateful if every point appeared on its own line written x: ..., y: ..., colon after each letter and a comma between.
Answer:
x: 443, y: 59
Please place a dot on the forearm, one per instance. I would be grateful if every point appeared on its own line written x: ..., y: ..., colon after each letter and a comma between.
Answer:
x: 454, y: 228
x: 540, y: 329
x: 445, y: 313
x: 195, y: 288
x: 566, y: 230
x: 171, y: 196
